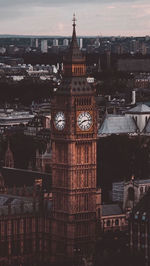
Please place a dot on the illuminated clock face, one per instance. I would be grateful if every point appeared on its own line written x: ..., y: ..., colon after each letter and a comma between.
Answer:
x: 84, y: 121
x: 59, y: 121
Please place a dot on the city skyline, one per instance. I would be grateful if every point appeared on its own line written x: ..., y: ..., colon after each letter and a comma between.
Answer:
x: 96, y: 18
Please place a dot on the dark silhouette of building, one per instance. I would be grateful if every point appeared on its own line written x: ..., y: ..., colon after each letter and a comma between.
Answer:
x: 139, y: 224
x: 9, y: 158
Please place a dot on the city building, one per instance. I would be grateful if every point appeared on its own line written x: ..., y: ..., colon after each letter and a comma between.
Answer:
x: 135, y: 121
x: 139, y: 224
x: 129, y: 193
x: 38, y: 123
x: 55, y: 42
x: 44, y: 46
x: 25, y: 231
x: 65, y: 42
x: 36, y: 43
x: 10, y: 118
x: 133, y: 65
x: 142, y: 81
x: 113, y: 218
x: 97, y: 43
x: 80, y: 43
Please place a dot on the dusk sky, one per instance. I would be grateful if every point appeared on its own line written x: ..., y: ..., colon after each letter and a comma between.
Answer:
x: 94, y: 17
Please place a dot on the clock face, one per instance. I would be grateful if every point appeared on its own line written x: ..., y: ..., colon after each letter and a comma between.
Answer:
x: 84, y: 121
x: 59, y: 121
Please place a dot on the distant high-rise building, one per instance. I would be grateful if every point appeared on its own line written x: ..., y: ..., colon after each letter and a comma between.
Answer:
x: 31, y: 42
x: 143, y: 49
x: 65, y: 42
x: 36, y: 43
x: 97, y: 43
x: 44, y: 47
x: 147, y: 38
x: 134, y: 46
x: 55, y: 42
x: 80, y: 42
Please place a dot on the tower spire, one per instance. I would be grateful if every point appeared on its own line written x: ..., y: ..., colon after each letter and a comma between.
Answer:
x: 74, y: 61
x: 74, y: 43
x: 74, y: 20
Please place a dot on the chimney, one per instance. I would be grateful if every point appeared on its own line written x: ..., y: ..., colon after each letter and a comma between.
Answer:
x: 133, y: 98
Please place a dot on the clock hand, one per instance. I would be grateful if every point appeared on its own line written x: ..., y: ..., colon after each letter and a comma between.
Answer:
x: 84, y: 121
x: 60, y: 121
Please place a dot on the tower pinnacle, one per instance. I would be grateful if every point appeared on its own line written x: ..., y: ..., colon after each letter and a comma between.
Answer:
x: 74, y: 38
x: 74, y: 20
x: 74, y: 62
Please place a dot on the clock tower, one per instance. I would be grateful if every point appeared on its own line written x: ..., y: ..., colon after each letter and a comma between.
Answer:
x: 76, y: 200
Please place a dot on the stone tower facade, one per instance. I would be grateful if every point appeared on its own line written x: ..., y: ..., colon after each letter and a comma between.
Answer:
x: 76, y: 200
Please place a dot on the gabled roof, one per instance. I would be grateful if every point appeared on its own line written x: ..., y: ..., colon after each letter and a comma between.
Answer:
x: 117, y: 124
x: 139, y: 109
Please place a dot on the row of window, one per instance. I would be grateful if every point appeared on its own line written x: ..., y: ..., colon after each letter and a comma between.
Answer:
x: 78, y: 70
x: 83, y: 101
x: 111, y: 222
x: 22, y: 226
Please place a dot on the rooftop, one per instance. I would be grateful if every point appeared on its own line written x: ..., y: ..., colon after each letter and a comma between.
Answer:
x: 10, y: 204
x: 111, y: 209
x: 140, y: 108
x: 117, y: 124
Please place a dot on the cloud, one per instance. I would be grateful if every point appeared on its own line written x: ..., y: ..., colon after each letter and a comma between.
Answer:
x: 8, y: 3
x: 111, y: 7
x: 53, y: 17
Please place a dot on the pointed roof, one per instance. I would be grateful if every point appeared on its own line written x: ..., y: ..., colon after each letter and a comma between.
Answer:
x: 139, y: 109
x: 9, y: 158
x: 74, y: 54
x: 74, y: 43
x: 117, y: 124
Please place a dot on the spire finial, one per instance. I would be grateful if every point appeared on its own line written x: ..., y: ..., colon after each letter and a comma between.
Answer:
x: 74, y: 20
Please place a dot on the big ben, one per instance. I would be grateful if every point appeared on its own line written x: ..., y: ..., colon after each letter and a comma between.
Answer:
x: 74, y: 162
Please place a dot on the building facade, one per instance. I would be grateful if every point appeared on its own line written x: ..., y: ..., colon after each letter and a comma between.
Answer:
x: 24, y: 231
x: 139, y: 228
x: 113, y: 219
